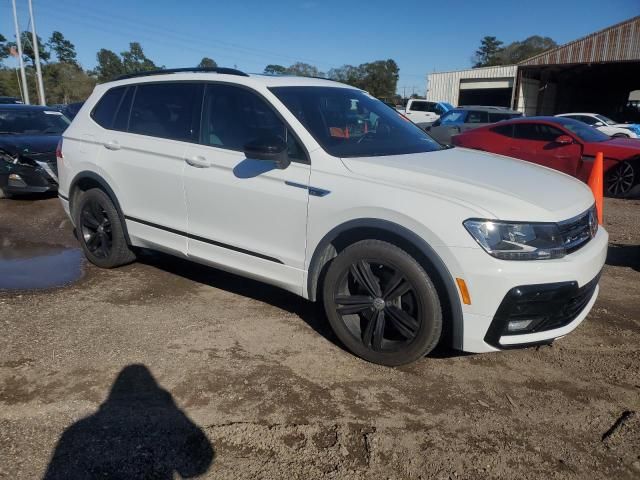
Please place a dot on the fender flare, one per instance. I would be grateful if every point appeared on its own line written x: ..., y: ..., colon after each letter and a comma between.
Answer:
x: 318, y: 260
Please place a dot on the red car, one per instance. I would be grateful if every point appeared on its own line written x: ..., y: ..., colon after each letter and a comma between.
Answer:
x: 563, y: 144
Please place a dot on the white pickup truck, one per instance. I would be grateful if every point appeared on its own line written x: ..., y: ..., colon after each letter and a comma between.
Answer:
x: 425, y: 112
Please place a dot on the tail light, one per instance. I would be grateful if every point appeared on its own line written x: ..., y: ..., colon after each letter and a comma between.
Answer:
x: 59, y: 150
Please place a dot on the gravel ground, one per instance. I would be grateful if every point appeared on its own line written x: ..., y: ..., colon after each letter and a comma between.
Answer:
x: 164, y: 369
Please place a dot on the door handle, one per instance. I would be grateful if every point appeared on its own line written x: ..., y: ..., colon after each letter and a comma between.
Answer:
x: 198, y: 161
x: 112, y: 145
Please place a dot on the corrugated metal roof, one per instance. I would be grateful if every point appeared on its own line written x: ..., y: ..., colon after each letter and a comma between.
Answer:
x: 618, y: 43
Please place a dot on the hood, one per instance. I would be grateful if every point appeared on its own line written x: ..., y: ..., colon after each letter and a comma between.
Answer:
x: 26, y: 144
x: 618, y: 148
x: 492, y: 185
x: 634, y: 127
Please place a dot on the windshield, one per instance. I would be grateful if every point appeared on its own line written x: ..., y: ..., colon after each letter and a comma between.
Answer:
x: 583, y: 131
x: 32, y: 122
x: 606, y: 120
x: 350, y: 123
x: 453, y: 117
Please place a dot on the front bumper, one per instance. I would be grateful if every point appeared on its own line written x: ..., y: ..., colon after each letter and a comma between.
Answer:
x: 26, y: 179
x: 490, y: 282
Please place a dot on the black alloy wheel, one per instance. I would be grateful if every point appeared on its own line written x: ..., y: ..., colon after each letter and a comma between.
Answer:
x: 381, y: 303
x: 101, y: 230
x: 95, y: 228
x: 621, y: 179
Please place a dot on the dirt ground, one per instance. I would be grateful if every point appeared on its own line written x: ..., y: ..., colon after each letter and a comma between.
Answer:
x: 164, y: 369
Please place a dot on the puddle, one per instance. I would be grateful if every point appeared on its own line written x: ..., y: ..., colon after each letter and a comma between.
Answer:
x: 29, y: 266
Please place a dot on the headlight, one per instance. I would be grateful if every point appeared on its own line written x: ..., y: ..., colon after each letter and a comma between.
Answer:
x: 517, y: 241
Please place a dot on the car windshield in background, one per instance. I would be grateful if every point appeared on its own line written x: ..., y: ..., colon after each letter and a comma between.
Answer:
x: 32, y: 122
x: 606, y: 120
x: 350, y: 123
x: 583, y: 131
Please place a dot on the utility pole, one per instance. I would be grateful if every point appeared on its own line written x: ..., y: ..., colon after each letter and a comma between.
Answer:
x: 36, y: 51
x: 25, y: 88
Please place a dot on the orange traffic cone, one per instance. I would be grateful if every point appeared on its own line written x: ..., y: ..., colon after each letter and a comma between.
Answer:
x: 596, y: 183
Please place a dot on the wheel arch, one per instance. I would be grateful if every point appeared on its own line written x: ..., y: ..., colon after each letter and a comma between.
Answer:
x: 87, y: 180
x: 353, y: 231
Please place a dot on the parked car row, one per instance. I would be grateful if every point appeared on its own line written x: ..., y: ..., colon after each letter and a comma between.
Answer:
x: 29, y: 135
x: 563, y: 144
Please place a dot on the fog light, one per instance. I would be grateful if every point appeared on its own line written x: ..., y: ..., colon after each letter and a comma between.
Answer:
x: 519, y: 325
x: 15, y: 180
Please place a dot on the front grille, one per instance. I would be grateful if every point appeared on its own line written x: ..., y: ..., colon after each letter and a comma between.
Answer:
x: 551, y: 306
x: 577, y: 231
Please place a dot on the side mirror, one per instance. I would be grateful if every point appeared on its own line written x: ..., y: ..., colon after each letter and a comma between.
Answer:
x: 564, y: 140
x: 272, y: 149
x: 599, y: 124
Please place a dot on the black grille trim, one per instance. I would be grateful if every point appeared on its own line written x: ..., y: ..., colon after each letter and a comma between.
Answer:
x: 577, y: 231
x: 553, y: 305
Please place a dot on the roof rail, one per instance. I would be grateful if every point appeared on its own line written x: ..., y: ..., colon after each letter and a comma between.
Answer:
x: 221, y: 70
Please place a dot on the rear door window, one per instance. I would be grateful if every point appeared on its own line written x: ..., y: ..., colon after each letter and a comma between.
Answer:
x: 106, y: 108
x: 166, y: 110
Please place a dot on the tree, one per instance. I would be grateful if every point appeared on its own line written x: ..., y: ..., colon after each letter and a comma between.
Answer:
x: 207, y: 62
x: 302, y: 69
x: 4, y: 47
x: 66, y: 82
x: 134, y: 59
x: 109, y: 65
x: 28, y: 51
x: 379, y: 78
x: 516, y: 52
x: 485, y: 56
x: 272, y: 69
x: 65, y: 50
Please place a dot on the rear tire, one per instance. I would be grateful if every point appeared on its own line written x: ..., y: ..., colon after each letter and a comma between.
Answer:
x: 382, y: 304
x: 621, y: 135
x: 100, y: 230
x: 4, y: 194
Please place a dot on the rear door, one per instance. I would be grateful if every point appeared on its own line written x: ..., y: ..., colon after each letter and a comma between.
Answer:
x: 143, y: 153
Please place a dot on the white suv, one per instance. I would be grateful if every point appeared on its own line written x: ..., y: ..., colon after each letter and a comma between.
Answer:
x: 324, y: 191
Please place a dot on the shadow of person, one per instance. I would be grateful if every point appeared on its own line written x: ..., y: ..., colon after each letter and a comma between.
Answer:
x: 137, y: 433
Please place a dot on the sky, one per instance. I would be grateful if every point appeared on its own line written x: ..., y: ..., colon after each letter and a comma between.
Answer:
x: 421, y: 36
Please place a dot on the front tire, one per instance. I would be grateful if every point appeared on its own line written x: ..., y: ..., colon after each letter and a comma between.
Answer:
x: 100, y: 230
x: 621, y: 179
x: 621, y: 135
x: 4, y: 194
x: 382, y: 304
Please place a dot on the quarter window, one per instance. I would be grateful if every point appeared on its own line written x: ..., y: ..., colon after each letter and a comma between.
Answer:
x: 166, y: 110
x: 504, y: 130
x: 106, y: 107
x: 477, y: 117
x: 233, y: 117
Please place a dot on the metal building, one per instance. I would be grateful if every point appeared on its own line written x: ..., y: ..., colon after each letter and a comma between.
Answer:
x: 595, y: 73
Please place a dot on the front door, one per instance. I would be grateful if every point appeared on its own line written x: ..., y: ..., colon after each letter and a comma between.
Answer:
x: 536, y: 143
x: 244, y: 214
